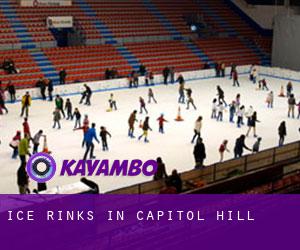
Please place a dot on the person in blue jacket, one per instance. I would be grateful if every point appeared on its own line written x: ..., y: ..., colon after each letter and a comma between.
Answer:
x: 89, y: 136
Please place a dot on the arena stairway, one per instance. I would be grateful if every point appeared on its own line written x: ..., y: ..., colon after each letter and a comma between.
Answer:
x: 176, y: 35
x: 265, y: 58
x: 198, y: 51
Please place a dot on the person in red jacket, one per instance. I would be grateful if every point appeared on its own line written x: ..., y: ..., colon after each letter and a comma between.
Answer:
x: 26, y: 128
x: 84, y: 128
x: 235, y: 77
x: 161, y: 120
x: 14, y: 144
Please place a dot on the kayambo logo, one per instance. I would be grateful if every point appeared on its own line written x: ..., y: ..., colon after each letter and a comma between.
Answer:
x: 41, y: 167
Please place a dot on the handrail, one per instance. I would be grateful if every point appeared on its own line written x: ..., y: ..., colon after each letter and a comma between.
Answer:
x: 212, y: 173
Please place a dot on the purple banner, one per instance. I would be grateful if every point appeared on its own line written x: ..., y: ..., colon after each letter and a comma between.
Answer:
x: 149, y: 222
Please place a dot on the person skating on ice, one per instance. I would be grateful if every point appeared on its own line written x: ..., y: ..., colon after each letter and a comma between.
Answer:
x: 59, y: 104
x: 282, y: 133
x: 161, y: 120
x: 289, y: 89
x: 132, y: 119
x: 298, y: 106
x: 142, y: 105
x: 240, y: 146
x: 89, y: 136
x: 221, y: 95
x: 181, y: 98
x: 291, y: 106
x: 26, y: 103
x: 199, y: 153
x: 84, y: 128
x: 56, y: 118
x: 197, y: 129
x: 77, y: 117
x: 252, y: 124
x: 256, y: 145
x: 103, y: 135
x: 238, y: 101
x: 86, y: 95
x: 232, y: 111
x: 112, y: 102
x: 262, y: 85
x: 68, y: 108
x: 14, y: 144
x: 26, y: 128
x: 2, y: 102
x: 151, y: 77
x: 270, y: 99
x: 249, y: 114
x: 235, y: 77
x: 214, y: 109
x: 240, y: 116
x: 146, y: 128
x: 36, y: 141
x: 221, y: 109
x: 222, y: 149
x: 190, y: 100
x: 151, y: 96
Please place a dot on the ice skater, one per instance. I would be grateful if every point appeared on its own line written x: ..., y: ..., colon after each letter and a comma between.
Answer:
x: 235, y: 77
x: 77, y: 116
x: 221, y: 95
x: 142, y: 105
x: 222, y: 149
x: 36, y: 141
x: 252, y: 124
x: 161, y: 120
x: 87, y: 94
x: 89, y: 136
x: 214, y: 109
x: 291, y: 104
x: 145, y: 128
x: 270, y: 99
x: 221, y: 109
x: 197, y: 129
x: 232, y: 111
x: 190, y: 100
x: 132, y: 119
x: 151, y: 78
x: 112, y: 102
x: 262, y: 85
x: 59, y: 103
x: 282, y: 133
x: 238, y: 101
x: 151, y: 96
x: 240, y: 146
x: 26, y: 102
x: 56, y: 118
x: 68, y: 108
x: 240, y: 116
x: 2, y: 102
x: 181, y: 98
x: 289, y: 89
x: 103, y: 135
x: 256, y: 145
x: 14, y: 144
x: 26, y: 128
x: 199, y: 153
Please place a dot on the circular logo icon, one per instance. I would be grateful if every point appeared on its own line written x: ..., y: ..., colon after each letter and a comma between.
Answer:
x: 41, y: 167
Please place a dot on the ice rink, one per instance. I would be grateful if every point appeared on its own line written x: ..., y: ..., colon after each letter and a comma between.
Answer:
x: 174, y: 146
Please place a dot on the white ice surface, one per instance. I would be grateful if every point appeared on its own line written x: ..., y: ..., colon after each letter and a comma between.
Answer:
x: 174, y: 146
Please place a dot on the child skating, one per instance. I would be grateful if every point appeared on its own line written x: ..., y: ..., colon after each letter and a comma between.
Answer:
x: 190, y: 100
x: 214, y: 109
x: 142, y: 105
x: 77, y: 116
x: 145, y: 128
x: 161, y: 120
x: 103, y: 135
x: 112, y: 103
x: 132, y: 119
x: 222, y: 149
x: 68, y: 108
x: 270, y: 100
x: 221, y: 109
x: 151, y: 96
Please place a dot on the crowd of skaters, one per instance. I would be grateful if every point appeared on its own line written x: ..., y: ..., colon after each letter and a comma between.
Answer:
x: 237, y: 114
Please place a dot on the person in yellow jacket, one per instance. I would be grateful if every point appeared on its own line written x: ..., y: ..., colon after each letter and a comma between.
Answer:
x: 24, y: 149
x: 26, y: 102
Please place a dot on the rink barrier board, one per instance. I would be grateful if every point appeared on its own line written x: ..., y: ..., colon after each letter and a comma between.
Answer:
x: 219, y: 171
x: 122, y: 83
